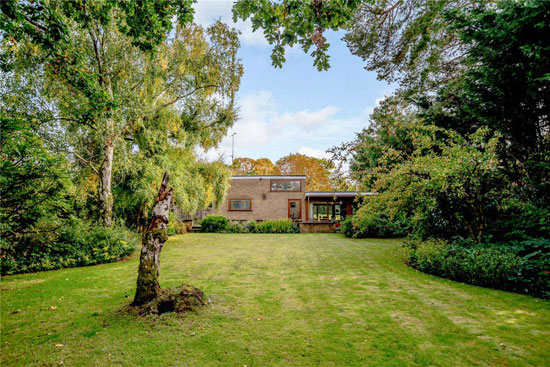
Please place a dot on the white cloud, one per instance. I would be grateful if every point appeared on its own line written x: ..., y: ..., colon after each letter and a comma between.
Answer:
x: 260, y: 121
x: 207, y: 11
x: 261, y: 124
x: 306, y: 119
x: 265, y: 129
x: 312, y: 152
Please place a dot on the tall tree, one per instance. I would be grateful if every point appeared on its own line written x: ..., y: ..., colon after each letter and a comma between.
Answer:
x: 180, y: 96
x: 249, y: 166
x: 506, y: 87
x: 388, y: 131
x: 77, y: 37
x: 317, y: 171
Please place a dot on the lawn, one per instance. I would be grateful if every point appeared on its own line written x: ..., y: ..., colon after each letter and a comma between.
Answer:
x: 276, y: 300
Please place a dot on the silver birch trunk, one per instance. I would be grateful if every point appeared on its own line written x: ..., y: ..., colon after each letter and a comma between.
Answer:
x: 155, y: 236
x: 105, y: 186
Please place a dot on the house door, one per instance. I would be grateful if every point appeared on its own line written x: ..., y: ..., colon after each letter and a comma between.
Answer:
x: 295, y: 209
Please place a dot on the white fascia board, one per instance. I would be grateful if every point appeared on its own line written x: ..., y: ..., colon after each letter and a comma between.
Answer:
x: 341, y: 194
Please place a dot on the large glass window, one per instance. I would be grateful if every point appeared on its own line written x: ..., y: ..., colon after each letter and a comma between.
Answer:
x: 286, y: 185
x: 240, y: 204
x: 320, y: 211
x: 327, y: 211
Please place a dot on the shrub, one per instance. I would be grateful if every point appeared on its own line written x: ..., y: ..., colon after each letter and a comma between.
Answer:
x: 174, y: 226
x: 251, y: 226
x: 347, y: 226
x: 278, y: 226
x: 236, y: 227
x: 488, y: 265
x: 76, y: 244
x: 377, y: 225
x: 535, y: 272
x: 214, y: 223
x: 367, y: 223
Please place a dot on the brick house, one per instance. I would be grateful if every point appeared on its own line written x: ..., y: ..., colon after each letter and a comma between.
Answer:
x: 262, y: 198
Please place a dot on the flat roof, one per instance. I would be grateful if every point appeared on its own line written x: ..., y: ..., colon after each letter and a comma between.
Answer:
x: 280, y: 177
x: 321, y: 194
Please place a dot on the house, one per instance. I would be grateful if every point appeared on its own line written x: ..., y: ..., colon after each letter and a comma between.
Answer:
x: 267, y: 197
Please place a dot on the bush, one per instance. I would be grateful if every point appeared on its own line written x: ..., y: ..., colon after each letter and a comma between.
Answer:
x: 366, y: 223
x: 76, y: 244
x: 488, y: 265
x: 214, y: 223
x: 347, y: 226
x: 278, y: 226
x: 236, y: 227
x: 535, y: 272
x: 174, y: 226
x: 251, y: 226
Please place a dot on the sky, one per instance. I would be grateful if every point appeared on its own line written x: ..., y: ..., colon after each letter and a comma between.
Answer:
x: 296, y: 109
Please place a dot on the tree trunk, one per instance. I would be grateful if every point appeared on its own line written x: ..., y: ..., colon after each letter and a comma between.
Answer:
x: 148, y: 274
x: 105, y: 189
x: 106, y: 172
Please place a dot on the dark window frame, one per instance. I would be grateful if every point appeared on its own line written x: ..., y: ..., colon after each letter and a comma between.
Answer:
x: 283, y: 180
x: 239, y: 210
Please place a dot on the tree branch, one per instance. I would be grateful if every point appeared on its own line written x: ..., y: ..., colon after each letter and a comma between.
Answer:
x: 88, y: 163
x: 97, y: 57
x: 181, y: 97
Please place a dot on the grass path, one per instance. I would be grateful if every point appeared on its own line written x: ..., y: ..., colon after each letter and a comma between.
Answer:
x: 277, y: 300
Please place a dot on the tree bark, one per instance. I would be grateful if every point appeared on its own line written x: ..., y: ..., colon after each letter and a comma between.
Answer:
x: 105, y: 187
x: 148, y: 274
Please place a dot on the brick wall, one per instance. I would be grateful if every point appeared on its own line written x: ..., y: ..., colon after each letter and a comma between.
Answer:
x: 266, y: 204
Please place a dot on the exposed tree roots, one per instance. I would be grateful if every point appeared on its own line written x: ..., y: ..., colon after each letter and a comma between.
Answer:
x: 181, y: 299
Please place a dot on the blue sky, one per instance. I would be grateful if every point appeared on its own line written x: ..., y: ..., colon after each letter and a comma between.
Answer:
x: 296, y: 108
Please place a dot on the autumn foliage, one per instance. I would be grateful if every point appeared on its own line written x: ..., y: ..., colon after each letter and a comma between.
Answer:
x: 317, y: 171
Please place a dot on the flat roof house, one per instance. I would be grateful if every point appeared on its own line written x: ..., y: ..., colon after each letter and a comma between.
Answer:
x: 267, y: 197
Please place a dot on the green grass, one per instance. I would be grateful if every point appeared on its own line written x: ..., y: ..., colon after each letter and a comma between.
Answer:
x: 277, y: 300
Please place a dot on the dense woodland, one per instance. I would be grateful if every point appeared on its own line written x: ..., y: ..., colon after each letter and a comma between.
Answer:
x: 100, y: 97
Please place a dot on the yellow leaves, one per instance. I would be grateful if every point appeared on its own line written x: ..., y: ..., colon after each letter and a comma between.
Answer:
x: 163, y: 63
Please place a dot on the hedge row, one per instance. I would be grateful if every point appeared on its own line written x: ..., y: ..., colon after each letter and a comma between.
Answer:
x: 215, y: 223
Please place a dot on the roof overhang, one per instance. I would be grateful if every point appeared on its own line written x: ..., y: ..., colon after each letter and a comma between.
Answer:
x: 341, y: 194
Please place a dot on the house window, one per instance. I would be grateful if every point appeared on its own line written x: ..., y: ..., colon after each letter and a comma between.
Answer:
x: 240, y: 204
x: 324, y: 211
x: 321, y: 211
x: 286, y: 185
x: 295, y: 209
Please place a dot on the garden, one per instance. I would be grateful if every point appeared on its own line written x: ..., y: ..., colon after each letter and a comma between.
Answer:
x: 272, y: 299
x: 111, y: 112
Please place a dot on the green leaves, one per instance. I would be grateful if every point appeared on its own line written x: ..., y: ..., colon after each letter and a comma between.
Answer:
x: 294, y: 21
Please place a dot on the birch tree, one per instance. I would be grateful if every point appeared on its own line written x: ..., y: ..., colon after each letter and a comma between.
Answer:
x: 98, y: 54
